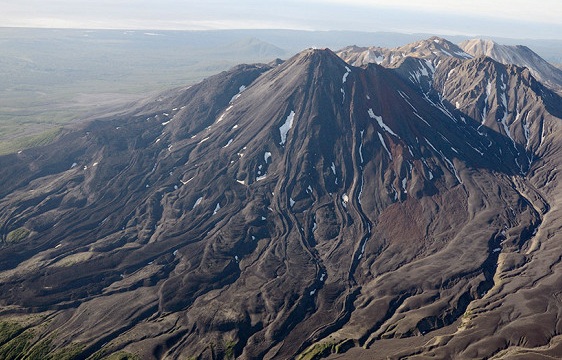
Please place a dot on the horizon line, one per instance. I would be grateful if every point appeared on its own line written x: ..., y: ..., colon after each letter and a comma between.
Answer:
x: 125, y: 29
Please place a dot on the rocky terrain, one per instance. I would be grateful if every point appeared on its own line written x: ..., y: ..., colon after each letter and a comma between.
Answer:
x: 406, y: 208
x: 517, y: 55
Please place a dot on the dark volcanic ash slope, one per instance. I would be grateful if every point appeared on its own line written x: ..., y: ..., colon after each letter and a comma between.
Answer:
x: 272, y: 212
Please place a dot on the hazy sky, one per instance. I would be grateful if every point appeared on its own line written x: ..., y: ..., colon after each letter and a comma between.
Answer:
x: 509, y: 18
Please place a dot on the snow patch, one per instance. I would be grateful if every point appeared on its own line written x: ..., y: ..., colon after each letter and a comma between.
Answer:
x: 284, y: 129
x: 475, y: 149
x: 423, y: 71
x: 422, y: 119
x: 504, y: 101
x: 381, y: 123
x: 503, y: 121
x: 450, y: 164
x: 185, y: 182
x: 485, y: 110
x: 446, y: 52
x: 266, y: 156
x: 405, y: 97
x: 361, y: 152
x: 234, y: 98
x: 430, y: 65
x: 217, y: 208
x: 395, y: 192
x: 384, y: 145
x: 228, y: 143
x: 463, y: 54
x: 333, y: 167
x: 526, y: 131
x: 348, y: 71
x: 224, y: 113
x: 362, y: 252
x: 197, y: 202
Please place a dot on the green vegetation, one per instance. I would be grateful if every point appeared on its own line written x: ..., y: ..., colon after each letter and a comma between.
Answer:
x: 68, y: 353
x: 466, y: 319
x: 229, y: 349
x: 9, y: 330
x: 344, y: 346
x: 17, y: 346
x: 17, y: 235
x: 121, y: 355
x: 40, y: 350
x: 16, y: 343
x: 320, y: 350
x: 26, y: 142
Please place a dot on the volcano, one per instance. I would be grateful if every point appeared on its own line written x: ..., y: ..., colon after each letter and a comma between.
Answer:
x: 295, y: 210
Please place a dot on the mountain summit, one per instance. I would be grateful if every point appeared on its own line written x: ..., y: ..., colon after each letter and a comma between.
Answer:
x: 517, y: 55
x: 294, y: 210
x: 427, y: 49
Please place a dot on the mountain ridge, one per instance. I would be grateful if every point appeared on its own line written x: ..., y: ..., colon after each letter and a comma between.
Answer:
x: 518, y: 55
x: 277, y: 210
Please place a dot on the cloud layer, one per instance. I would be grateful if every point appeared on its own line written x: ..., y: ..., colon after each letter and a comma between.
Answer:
x: 515, y: 18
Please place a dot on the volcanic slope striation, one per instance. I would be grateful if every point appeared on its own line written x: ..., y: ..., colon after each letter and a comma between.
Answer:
x: 295, y: 210
x: 519, y: 55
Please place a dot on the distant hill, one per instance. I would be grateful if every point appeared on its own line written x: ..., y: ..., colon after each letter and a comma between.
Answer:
x: 252, y: 47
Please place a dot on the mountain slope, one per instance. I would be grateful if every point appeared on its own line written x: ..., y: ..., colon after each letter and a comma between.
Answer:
x: 516, y: 55
x: 269, y: 212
